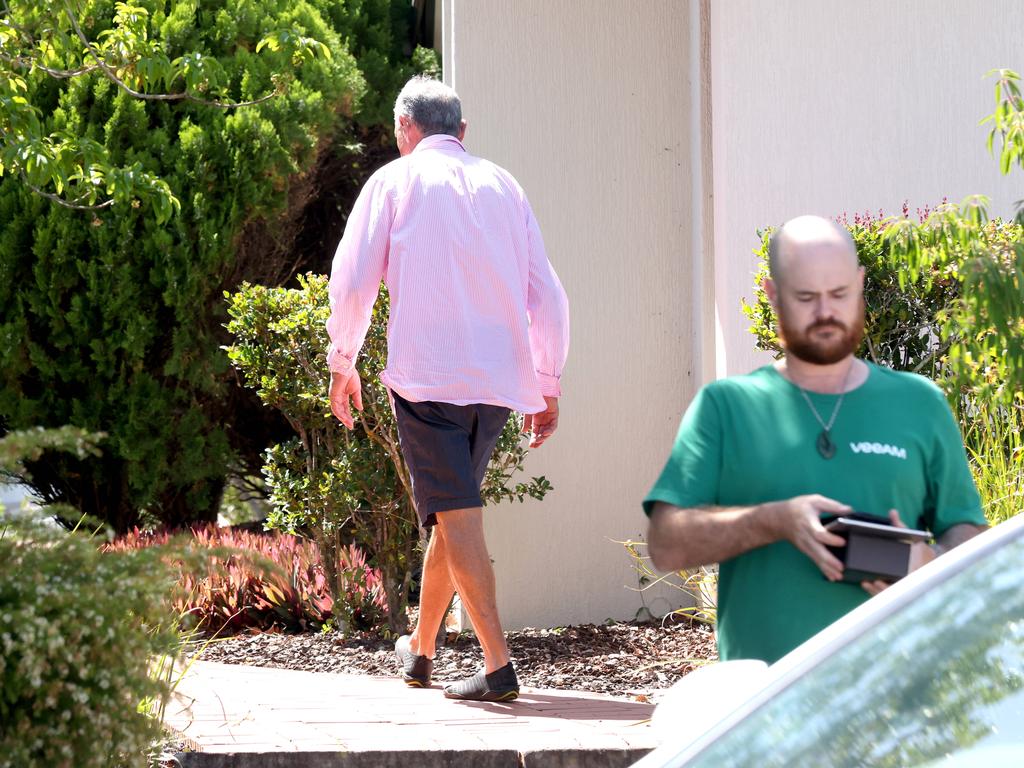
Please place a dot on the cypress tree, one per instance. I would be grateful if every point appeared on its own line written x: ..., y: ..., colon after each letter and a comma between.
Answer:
x: 111, y: 320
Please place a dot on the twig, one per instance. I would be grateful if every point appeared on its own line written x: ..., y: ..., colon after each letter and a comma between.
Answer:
x: 72, y: 204
x: 871, y: 350
x: 60, y: 74
x: 184, y: 96
x: 933, y: 355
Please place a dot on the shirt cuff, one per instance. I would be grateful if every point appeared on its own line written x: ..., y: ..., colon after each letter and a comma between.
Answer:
x: 339, y: 363
x: 550, y: 385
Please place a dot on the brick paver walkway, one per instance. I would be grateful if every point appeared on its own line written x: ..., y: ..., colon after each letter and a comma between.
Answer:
x: 256, y: 716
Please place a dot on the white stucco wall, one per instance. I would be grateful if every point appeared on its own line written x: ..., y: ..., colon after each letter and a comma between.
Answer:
x: 826, y: 106
x: 813, y: 106
x: 588, y: 105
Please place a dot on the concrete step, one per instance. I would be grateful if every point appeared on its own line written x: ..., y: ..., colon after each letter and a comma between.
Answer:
x: 257, y: 717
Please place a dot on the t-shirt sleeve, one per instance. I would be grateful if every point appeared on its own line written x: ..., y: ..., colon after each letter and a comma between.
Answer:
x: 691, y: 474
x: 952, y: 496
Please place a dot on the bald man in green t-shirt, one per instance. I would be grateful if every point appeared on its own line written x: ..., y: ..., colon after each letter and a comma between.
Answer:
x: 759, y: 459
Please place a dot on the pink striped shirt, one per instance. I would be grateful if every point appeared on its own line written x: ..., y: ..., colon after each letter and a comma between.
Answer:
x: 478, y: 315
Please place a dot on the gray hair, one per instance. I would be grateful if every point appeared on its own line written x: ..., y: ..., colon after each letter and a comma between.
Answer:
x: 432, y: 105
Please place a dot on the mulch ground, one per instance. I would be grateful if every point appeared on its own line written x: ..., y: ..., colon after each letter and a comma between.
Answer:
x: 621, y: 659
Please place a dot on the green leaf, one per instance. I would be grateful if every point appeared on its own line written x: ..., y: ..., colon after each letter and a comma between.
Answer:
x: 270, y: 42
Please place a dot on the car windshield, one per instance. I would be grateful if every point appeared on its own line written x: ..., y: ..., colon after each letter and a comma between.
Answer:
x: 940, y: 680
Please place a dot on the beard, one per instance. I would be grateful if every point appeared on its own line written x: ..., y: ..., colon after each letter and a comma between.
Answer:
x: 802, y: 345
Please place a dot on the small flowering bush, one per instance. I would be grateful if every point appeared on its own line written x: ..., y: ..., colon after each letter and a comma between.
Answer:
x: 266, y: 582
x: 78, y: 631
x: 901, y: 322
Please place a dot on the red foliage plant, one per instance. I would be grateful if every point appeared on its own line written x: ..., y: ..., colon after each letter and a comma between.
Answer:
x: 269, y: 582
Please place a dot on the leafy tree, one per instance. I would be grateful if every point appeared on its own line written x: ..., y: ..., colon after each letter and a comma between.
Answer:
x: 48, y: 40
x: 111, y: 319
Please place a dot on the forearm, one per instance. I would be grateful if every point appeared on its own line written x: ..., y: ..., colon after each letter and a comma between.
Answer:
x: 680, y: 539
x: 921, y: 554
x: 955, y: 536
x: 352, y: 299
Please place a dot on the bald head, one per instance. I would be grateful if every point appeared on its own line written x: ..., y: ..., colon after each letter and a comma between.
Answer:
x: 817, y: 290
x: 807, y: 237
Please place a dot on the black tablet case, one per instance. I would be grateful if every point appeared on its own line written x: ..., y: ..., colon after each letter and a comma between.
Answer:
x: 872, y: 555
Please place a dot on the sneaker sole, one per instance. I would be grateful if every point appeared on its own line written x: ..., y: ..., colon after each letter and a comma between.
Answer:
x: 489, y: 696
x: 412, y: 682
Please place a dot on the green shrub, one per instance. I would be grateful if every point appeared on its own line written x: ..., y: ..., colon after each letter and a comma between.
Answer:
x: 905, y: 322
x: 78, y: 630
x: 984, y: 329
x: 30, y: 444
x: 902, y: 322
x: 343, y: 486
x: 87, y: 639
x: 111, y: 320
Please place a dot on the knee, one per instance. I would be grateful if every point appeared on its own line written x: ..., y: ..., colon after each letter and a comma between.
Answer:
x: 459, y: 525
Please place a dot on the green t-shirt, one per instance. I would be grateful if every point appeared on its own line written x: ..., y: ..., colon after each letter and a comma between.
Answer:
x: 750, y: 439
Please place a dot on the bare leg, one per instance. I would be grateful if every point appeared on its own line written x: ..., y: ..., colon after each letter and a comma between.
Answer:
x: 436, y: 592
x: 472, y: 574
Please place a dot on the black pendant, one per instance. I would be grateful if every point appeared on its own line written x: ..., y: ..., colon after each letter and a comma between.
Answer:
x: 826, y: 447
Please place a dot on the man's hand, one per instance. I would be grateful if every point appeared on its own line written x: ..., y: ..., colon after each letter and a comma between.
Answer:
x: 798, y: 520
x: 542, y: 425
x: 920, y: 554
x: 343, y: 387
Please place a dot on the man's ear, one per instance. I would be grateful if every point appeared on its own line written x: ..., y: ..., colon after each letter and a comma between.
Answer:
x: 771, y: 290
x: 462, y: 130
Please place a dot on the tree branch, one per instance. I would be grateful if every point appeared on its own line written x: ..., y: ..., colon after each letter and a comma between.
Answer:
x: 184, y: 96
x: 74, y: 205
x: 60, y: 74
x: 933, y: 355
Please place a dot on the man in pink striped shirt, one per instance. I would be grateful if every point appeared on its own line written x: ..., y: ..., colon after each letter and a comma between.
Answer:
x: 478, y: 327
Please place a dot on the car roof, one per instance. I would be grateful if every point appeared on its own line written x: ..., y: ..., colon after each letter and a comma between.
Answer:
x: 841, y: 633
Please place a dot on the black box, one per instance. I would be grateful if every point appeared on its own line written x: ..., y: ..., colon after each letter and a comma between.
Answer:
x: 875, y: 549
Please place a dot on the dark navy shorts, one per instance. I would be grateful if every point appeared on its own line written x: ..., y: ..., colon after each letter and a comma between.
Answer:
x: 447, y: 448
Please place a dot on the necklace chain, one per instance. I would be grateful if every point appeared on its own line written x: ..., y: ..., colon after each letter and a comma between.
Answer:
x: 835, y: 409
x: 824, y: 444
